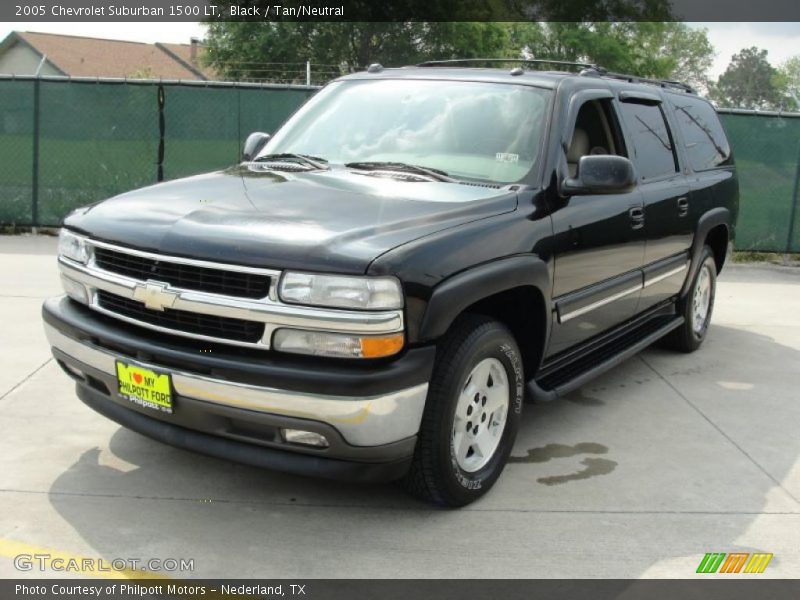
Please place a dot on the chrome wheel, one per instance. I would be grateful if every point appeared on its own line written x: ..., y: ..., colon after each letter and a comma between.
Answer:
x: 481, y: 415
x: 701, y: 301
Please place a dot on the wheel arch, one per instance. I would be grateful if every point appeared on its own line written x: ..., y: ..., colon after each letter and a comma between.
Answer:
x: 714, y: 227
x: 514, y: 290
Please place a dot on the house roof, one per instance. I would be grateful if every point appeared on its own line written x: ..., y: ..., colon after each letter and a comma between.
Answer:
x: 183, y: 52
x: 95, y: 57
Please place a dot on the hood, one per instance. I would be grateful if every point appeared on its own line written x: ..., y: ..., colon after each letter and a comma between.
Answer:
x: 335, y: 221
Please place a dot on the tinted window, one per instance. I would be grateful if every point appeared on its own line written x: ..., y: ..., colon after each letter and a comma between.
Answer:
x: 706, y: 144
x: 652, y: 144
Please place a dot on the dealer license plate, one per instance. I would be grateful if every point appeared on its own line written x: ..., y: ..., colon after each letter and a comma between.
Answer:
x: 145, y: 387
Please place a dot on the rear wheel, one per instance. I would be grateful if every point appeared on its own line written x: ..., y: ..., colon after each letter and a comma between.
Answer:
x: 471, y: 414
x: 696, y: 307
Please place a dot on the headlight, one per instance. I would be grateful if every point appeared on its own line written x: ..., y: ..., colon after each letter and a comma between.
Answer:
x: 72, y: 246
x: 366, y: 293
x: 320, y: 343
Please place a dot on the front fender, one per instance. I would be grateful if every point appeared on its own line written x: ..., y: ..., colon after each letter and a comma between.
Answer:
x: 452, y: 296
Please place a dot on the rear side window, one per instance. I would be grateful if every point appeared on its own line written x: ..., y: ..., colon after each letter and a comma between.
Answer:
x: 706, y: 144
x: 653, y: 151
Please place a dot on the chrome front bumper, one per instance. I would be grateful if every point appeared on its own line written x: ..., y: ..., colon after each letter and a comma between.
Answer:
x: 361, y: 421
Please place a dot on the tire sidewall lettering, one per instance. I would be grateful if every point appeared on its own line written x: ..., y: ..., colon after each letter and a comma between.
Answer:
x: 512, y: 362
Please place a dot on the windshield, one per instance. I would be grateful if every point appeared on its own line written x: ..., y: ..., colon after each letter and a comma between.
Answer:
x: 469, y: 130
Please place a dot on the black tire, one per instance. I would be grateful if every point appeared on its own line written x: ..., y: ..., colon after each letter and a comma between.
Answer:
x: 688, y: 337
x: 435, y: 474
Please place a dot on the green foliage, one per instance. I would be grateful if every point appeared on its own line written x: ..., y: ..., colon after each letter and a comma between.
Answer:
x: 666, y: 50
x: 751, y: 82
x: 789, y: 81
x: 650, y: 49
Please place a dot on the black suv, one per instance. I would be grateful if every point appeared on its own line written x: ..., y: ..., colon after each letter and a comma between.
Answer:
x: 374, y: 290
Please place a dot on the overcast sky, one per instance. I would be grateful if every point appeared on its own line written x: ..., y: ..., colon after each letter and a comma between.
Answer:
x: 781, y: 40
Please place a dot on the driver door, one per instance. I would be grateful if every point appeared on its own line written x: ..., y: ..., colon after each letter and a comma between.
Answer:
x: 599, y: 241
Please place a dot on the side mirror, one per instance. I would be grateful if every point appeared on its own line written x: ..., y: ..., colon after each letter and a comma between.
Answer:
x: 601, y: 174
x: 253, y: 145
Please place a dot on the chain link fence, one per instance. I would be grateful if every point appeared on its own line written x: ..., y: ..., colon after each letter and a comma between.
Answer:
x: 68, y: 143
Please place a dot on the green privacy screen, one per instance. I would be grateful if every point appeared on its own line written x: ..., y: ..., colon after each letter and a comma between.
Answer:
x: 100, y: 138
x: 767, y: 153
x: 95, y: 141
x: 16, y: 151
x: 205, y: 127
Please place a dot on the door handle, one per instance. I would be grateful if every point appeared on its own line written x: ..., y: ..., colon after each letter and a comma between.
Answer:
x: 637, y: 217
x: 683, y: 207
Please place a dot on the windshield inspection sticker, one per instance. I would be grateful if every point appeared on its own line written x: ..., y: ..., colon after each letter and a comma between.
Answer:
x: 506, y: 157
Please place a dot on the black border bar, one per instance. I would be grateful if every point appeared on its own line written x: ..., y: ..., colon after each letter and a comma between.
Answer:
x: 400, y: 10
x: 713, y: 587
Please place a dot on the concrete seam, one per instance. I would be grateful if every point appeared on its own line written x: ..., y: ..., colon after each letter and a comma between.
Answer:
x: 394, y: 508
x: 719, y: 429
x: 26, y: 379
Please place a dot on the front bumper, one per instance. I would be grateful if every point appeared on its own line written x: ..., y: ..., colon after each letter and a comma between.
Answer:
x: 231, y: 405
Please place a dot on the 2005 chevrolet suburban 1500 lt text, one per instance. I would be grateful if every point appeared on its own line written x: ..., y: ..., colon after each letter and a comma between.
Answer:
x: 373, y: 291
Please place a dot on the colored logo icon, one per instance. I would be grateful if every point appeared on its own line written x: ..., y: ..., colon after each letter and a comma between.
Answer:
x: 734, y: 562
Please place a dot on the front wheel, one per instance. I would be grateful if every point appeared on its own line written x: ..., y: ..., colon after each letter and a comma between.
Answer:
x: 471, y: 415
x: 696, y: 307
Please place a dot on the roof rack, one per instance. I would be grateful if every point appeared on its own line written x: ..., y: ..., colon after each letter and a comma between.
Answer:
x: 462, y: 61
x: 588, y: 70
x: 664, y: 83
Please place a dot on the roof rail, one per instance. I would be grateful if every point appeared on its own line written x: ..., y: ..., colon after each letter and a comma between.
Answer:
x: 463, y: 61
x: 664, y: 83
x: 588, y: 70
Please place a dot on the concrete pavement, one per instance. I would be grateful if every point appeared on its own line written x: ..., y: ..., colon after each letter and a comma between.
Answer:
x: 638, y: 474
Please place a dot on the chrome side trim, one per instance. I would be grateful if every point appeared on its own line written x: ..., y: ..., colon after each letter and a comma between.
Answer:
x: 273, y: 313
x: 362, y: 421
x: 563, y: 318
x: 665, y: 275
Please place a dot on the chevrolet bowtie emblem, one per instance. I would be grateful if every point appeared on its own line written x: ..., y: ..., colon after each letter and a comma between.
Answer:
x: 155, y: 295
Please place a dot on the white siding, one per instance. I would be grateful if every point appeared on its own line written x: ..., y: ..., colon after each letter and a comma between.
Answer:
x: 20, y: 59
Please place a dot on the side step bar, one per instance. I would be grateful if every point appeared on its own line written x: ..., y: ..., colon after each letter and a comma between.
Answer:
x: 576, y: 374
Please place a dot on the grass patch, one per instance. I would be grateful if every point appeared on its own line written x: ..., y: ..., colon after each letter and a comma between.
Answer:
x: 774, y: 258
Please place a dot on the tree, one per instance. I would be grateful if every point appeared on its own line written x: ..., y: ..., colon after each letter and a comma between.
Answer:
x: 663, y: 50
x: 273, y: 50
x: 749, y: 82
x: 789, y: 81
x: 650, y: 49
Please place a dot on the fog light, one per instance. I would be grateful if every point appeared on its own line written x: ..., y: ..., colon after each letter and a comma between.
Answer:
x: 73, y: 289
x: 307, y: 438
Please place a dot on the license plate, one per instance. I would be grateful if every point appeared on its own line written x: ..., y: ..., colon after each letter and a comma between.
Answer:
x: 145, y: 387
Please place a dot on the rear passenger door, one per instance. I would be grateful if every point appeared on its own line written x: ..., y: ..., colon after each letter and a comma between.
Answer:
x: 665, y: 192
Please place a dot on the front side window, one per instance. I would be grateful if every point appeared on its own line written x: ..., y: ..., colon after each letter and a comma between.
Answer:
x: 470, y: 130
x: 652, y: 150
x: 706, y: 144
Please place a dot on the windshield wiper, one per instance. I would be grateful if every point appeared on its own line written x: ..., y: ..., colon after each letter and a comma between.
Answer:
x: 435, y: 174
x: 312, y: 161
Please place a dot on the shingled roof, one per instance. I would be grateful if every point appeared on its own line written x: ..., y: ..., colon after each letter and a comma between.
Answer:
x: 78, y: 56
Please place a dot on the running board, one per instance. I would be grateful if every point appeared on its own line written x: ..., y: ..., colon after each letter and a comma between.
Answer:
x: 575, y: 374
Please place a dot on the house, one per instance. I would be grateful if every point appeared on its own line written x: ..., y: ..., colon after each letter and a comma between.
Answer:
x: 30, y: 53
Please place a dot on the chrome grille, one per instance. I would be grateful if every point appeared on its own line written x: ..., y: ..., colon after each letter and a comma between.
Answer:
x: 184, y: 321
x: 184, y: 276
